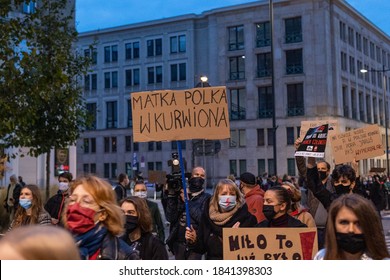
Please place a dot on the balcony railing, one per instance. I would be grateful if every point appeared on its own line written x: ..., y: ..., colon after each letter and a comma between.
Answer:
x: 294, y: 69
x: 265, y: 113
x: 237, y: 75
x: 263, y: 73
x: 293, y: 37
x: 295, y: 111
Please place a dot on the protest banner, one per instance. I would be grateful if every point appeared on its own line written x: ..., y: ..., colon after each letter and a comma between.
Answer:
x: 333, y: 126
x: 314, y: 142
x: 269, y: 243
x: 357, y: 144
x: 158, y: 177
x: 168, y: 115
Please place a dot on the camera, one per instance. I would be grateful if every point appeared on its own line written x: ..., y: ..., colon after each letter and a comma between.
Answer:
x: 174, y: 181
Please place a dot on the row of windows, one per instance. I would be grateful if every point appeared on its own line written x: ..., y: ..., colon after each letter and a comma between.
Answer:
x: 348, y: 35
x: 110, y: 145
x: 293, y: 34
x: 367, y: 108
x: 373, y: 76
x: 154, y: 47
x: 237, y: 106
x: 178, y: 72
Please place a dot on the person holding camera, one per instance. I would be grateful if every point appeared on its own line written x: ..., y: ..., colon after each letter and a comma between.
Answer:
x: 176, y: 213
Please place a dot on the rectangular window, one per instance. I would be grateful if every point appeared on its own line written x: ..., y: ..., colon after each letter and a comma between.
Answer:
x: 263, y: 34
x: 291, y: 166
x: 358, y: 41
x: 155, y: 74
x: 86, y: 168
x: 264, y: 65
x: 106, y: 144
x: 150, y: 165
x: 295, y: 100
x: 132, y: 77
x: 158, y: 165
x: 260, y: 166
x: 107, y: 170
x: 294, y: 62
x: 135, y: 146
x: 343, y: 32
x: 112, y: 114
x: 270, y: 136
x: 94, y: 81
x: 132, y: 50
x: 158, y: 146
x: 114, y: 170
x: 352, y: 65
x: 111, y: 53
x: 233, y: 167
x: 151, y: 146
x: 128, y: 143
x: 266, y: 102
x: 93, y: 145
x: 290, y: 135
x: 271, y: 166
x: 129, y: 114
x: 242, y: 137
x: 344, y: 61
x: 113, y: 144
x: 154, y: 47
x: 237, y: 68
x: 260, y: 137
x: 86, y: 146
x: 178, y: 44
x: 345, y: 102
x: 351, y: 39
x: 293, y: 30
x: 242, y: 163
x: 233, y: 141
x: 237, y: 104
x: 236, y: 38
x: 365, y: 46
x: 174, y: 145
x: 107, y: 80
x: 114, y: 79
x: 92, y: 111
x: 92, y: 168
x: 87, y: 82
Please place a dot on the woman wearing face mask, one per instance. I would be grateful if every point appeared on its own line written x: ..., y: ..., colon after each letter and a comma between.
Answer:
x: 55, y: 205
x: 138, y: 230
x: 158, y: 226
x: 30, y: 210
x: 277, y: 202
x: 226, y: 208
x: 353, y: 232
x: 95, y: 220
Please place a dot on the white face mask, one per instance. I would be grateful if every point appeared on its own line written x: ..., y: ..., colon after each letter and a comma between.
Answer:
x: 227, y: 202
x: 63, y: 186
x: 141, y: 194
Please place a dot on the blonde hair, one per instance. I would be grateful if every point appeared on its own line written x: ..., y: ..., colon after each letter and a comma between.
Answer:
x: 104, y: 196
x: 37, y: 242
x: 232, y: 187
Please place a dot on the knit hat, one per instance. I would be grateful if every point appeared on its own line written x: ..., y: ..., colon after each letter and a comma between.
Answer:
x: 248, y: 178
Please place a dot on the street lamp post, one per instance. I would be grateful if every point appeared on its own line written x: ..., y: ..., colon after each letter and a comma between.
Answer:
x: 384, y: 85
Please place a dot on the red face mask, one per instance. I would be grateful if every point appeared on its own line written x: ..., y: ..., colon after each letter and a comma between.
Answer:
x: 80, y: 219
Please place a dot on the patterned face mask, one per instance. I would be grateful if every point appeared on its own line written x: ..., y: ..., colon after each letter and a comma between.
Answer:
x: 227, y: 202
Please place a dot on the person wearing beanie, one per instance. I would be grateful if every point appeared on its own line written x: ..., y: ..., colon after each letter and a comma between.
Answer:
x: 254, y: 195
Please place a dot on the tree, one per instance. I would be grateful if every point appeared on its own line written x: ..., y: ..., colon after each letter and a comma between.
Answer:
x: 41, y: 81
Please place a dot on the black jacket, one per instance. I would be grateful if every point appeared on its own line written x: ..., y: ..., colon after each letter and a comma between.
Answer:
x: 291, y: 222
x: 114, y: 248
x: 55, y: 205
x: 150, y: 247
x: 158, y: 226
x: 15, y: 195
x: 176, y: 215
x: 209, y: 235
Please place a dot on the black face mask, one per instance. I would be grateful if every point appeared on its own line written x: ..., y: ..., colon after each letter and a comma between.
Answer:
x: 341, y: 189
x: 322, y: 174
x: 131, y: 223
x: 269, y: 212
x: 350, y: 242
x: 195, y: 184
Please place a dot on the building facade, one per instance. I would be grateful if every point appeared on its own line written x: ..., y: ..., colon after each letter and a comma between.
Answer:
x: 319, y: 48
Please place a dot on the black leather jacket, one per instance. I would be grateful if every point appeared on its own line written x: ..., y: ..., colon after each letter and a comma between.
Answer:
x: 113, y: 248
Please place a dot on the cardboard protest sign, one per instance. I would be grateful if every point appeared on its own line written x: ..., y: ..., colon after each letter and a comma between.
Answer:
x: 357, y: 144
x: 167, y: 115
x: 314, y: 142
x: 333, y: 126
x: 158, y: 177
x: 269, y: 243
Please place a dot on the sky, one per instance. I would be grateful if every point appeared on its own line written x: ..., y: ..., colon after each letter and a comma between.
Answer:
x: 99, y: 14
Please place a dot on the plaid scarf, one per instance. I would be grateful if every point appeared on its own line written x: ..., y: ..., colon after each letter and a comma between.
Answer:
x: 90, y: 241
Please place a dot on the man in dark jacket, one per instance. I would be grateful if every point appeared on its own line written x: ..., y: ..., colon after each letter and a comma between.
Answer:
x: 120, y: 189
x: 176, y: 214
x: 55, y: 205
x: 11, y: 200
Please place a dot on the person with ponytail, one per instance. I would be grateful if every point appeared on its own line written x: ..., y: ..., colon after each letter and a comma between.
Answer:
x: 277, y: 203
x: 30, y: 210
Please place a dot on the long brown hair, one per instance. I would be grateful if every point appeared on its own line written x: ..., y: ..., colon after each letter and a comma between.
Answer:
x: 36, y: 207
x: 369, y: 222
x: 145, y: 222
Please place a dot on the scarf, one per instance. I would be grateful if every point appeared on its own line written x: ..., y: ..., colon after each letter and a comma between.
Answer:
x: 221, y: 218
x: 90, y: 241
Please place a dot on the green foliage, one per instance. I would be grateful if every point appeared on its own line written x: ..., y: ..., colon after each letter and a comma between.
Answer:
x: 40, y: 97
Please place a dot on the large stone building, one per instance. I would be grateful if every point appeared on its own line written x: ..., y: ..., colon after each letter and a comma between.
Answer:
x: 319, y: 48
